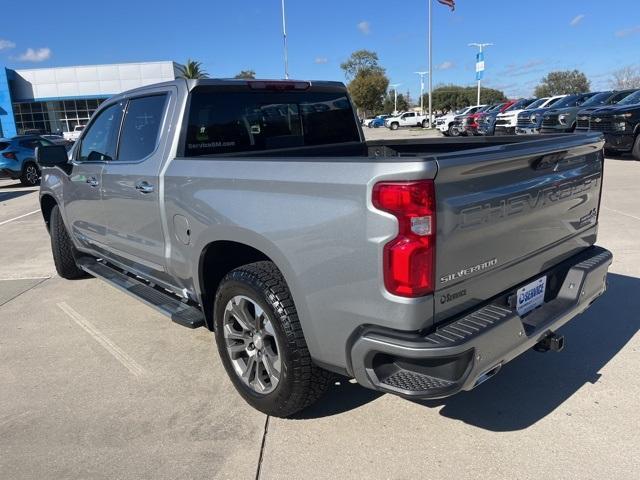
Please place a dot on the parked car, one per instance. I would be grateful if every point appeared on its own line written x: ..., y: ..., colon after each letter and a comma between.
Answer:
x: 378, y: 121
x: 407, y: 119
x: 563, y: 118
x: 472, y: 122
x: 325, y: 258
x: 447, y: 123
x: 596, y: 103
x: 18, y: 159
x: 507, y: 122
x: 530, y: 120
x: 74, y: 134
x: 487, y: 122
x: 621, y: 126
x: 56, y: 139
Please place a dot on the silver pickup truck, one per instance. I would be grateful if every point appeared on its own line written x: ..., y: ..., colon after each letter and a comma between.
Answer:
x: 256, y: 209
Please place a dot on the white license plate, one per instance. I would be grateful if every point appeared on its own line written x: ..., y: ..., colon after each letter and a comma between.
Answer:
x: 531, y: 296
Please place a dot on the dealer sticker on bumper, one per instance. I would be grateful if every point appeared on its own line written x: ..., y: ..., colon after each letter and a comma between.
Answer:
x: 531, y: 296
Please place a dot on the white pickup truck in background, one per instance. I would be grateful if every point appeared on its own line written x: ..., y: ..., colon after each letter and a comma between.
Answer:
x: 407, y: 119
x: 74, y: 134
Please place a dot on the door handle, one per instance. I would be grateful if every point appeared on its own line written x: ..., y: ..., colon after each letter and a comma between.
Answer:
x: 93, y: 182
x: 144, y: 187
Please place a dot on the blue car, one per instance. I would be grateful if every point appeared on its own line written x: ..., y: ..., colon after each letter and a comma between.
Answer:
x: 18, y: 158
x: 378, y: 121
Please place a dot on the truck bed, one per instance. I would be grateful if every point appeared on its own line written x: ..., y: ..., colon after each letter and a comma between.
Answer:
x: 385, y: 150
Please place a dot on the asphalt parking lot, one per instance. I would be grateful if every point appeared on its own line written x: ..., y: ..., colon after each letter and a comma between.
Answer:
x: 96, y: 385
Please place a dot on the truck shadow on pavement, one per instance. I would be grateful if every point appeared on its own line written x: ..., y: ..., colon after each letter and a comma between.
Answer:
x: 533, y: 385
x: 5, y: 196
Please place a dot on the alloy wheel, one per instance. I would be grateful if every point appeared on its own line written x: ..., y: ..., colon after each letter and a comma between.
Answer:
x: 31, y: 174
x: 252, y: 344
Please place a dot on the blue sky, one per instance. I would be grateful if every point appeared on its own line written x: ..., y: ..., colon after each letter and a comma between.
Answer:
x: 531, y: 37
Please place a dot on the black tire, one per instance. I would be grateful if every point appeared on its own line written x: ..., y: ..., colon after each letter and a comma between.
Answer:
x: 30, y: 176
x: 425, y: 124
x: 394, y: 126
x: 453, y: 131
x: 636, y: 148
x: 301, y: 382
x: 64, y: 253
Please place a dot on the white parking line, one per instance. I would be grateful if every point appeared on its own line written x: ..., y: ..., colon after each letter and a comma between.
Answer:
x: 17, y: 277
x: 128, y: 362
x: 622, y: 213
x: 18, y: 218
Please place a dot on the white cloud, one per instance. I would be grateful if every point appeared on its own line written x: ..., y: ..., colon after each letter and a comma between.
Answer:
x: 446, y: 65
x: 364, y: 27
x: 6, y: 44
x: 321, y: 60
x: 532, y: 66
x: 628, y: 31
x: 39, y: 55
x: 576, y: 20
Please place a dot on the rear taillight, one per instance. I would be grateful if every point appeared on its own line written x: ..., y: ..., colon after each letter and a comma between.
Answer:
x: 409, y: 258
x: 9, y: 155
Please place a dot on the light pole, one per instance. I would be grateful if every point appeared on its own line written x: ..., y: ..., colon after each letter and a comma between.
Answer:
x: 430, y: 62
x: 395, y: 96
x: 284, y: 35
x: 422, y: 74
x: 480, y: 63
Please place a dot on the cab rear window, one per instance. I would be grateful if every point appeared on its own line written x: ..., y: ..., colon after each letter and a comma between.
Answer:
x: 229, y: 122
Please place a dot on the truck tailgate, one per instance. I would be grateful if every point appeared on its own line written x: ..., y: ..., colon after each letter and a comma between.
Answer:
x: 506, y: 214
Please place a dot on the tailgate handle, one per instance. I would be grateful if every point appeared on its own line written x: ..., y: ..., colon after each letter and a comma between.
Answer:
x: 550, y: 161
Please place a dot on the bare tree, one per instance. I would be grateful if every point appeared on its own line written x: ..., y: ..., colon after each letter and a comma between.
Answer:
x: 625, y: 78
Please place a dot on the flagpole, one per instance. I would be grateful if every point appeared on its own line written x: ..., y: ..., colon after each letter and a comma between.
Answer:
x: 284, y: 35
x: 430, y: 66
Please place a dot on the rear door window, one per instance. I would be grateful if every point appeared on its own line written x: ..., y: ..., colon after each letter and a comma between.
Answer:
x: 141, y: 127
x: 228, y: 122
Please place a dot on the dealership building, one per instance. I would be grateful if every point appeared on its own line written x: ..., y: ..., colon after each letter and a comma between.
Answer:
x: 55, y: 100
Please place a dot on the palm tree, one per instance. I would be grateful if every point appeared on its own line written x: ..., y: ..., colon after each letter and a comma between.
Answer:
x: 192, y: 70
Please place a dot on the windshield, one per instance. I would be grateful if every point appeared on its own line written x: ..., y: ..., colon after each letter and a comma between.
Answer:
x: 631, y: 99
x: 569, y: 101
x: 598, y: 99
x: 537, y: 103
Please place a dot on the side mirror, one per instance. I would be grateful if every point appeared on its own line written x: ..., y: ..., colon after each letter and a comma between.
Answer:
x: 52, y: 156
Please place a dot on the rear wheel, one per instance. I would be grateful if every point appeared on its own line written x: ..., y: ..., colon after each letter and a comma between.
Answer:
x: 64, y: 253
x: 261, y: 344
x: 30, y: 175
x: 425, y: 124
x: 636, y: 148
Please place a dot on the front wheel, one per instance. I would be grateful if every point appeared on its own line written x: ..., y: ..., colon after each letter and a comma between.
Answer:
x: 453, y: 131
x: 30, y: 175
x: 261, y: 344
x: 394, y: 126
x: 64, y: 253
